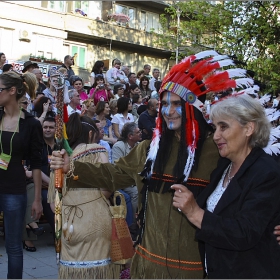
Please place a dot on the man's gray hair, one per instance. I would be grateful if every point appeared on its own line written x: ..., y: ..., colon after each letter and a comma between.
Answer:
x: 127, y: 129
x: 71, y: 93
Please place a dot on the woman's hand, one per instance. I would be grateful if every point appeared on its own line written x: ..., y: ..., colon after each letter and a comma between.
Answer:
x: 36, y: 210
x: 277, y: 233
x: 60, y: 159
x: 45, y: 107
x: 107, y: 86
x: 184, y: 200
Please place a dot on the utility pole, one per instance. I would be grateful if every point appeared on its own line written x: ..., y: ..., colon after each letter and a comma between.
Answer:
x: 178, y: 13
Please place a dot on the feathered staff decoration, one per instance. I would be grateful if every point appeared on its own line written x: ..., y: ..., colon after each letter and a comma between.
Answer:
x: 61, y: 142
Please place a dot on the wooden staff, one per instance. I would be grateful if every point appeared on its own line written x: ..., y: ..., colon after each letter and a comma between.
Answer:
x: 59, y: 176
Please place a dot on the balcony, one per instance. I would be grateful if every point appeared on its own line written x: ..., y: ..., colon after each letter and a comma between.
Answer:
x: 100, y: 32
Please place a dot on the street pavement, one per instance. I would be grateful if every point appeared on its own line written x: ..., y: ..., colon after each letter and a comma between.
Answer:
x: 36, y: 265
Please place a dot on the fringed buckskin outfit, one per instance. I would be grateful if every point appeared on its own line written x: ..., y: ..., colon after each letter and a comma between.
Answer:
x: 168, y: 248
x: 85, y: 253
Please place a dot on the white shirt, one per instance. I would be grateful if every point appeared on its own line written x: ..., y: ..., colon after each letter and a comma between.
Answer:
x: 120, y: 76
x: 70, y: 110
x: 152, y: 83
x: 121, y: 120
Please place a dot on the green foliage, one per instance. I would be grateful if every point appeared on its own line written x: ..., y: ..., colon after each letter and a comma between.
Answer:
x: 249, y: 30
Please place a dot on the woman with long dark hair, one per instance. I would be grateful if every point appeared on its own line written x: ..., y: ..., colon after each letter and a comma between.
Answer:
x: 100, y: 91
x: 122, y: 117
x: 144, y: 87
x: 96, y: 69
x: 43, y: 109
x: 20, y: 139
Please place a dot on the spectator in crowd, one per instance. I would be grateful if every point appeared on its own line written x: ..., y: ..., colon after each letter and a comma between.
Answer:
x: 43, y: 109
x: 136, y: 102
x: 7, y: 67
x: 155, y: 78
x: 97, y: 69
x: 116, y: 75
x: 125, y: 69
x: 118, y: 91
x: 131, y: 79
x: 16, y: 147
x: 102, y: 112
x: 139, y: 75
x: 24, y: 102
x: 113, y: 108
x: 78, y: 84
x: 64, y: 72
x: 2, y: 61
x: 147, y: 69
x: 29, y: 66
x: 101, y: 142
x: 48, y: 147
x: 144, y: 88
x: 147, y: 120
x: 130, y: 136
x: 124, y: 106
x: 74, y: 102
x: 68, y: 62
x: 155, y: 93
x: 236, y: 213
x: 100, y: 91
x: 88, y: 108
x: 133, y: 89
x: 39, y: 76
x: 85, y: 252
x: 38, y: 95
x: 50, y: 91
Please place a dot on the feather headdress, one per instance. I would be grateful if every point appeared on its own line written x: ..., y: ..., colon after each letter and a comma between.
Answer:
x: 190, y: 79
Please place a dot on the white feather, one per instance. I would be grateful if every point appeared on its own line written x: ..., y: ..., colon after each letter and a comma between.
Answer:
x: 248, y: 82
x: 264, y: 99
x: 236, y: 72
x: 226, y: 62
x: 250, y: 91
x: 204, y: 54
x: 272, y: 149
x: 218, y: 57
x: 256, y: 87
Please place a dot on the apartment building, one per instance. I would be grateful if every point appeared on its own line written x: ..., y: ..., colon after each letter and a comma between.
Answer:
x: 90, y: 30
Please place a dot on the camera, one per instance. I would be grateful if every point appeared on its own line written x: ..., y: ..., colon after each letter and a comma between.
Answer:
x: 101, y: 86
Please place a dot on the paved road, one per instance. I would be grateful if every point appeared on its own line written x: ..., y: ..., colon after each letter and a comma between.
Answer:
x: 39, y: 264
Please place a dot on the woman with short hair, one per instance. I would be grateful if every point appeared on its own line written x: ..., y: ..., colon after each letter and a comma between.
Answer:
x: 236, y: 214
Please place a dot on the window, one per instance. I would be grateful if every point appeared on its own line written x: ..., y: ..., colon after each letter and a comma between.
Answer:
x: 57, y: 6
x: 150, y: 21
x: 79, y: 54
x: 91, y: 8
x: 119, y: 9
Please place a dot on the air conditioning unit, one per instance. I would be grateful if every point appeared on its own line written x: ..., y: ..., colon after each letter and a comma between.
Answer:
x: 24, y: 35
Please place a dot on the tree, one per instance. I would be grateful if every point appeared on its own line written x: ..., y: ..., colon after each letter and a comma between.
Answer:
x: 249, y: 31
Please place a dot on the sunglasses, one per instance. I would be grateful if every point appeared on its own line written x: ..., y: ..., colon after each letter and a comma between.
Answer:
x: 99, y: 76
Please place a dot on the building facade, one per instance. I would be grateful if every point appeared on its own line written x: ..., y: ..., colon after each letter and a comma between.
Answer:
x: 46, y: 31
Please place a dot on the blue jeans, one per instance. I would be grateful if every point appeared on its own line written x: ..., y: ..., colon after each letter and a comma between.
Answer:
x: 13, y: 206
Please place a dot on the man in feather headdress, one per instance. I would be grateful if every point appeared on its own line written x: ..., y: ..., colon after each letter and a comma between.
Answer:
x: 180, y: 151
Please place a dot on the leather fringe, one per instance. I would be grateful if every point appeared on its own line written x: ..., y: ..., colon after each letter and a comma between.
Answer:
x: 111, y: 271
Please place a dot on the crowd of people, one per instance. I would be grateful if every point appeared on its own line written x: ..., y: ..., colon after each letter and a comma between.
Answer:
x: 158, y: 142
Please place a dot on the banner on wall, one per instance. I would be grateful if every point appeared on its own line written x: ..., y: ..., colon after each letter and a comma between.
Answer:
x: 44, y: 67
